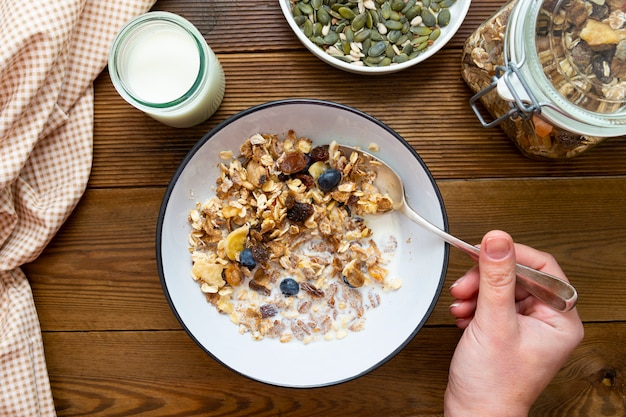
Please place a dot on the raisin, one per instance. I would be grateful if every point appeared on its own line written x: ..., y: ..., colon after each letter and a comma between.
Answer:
x: 290, y: 200
x: 319, y: 153
x: 299, y: 212
x: 260, y: 253
x: 306, y: 179
x: 293, y: 162
x: 255, y: 286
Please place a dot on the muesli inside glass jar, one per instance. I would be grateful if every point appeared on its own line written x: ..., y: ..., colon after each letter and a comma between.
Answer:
x: 551, y: 73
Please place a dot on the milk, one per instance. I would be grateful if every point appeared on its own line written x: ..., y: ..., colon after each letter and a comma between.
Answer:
x: 161, y: 64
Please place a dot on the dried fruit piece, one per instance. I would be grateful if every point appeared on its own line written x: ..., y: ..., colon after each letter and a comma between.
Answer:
x: 255, y: 286
x: 542, y: 128
x: 292, y: 162
x: 319, y: 153
x: 260, y: 253
x: 598, y: 33
x: 235, y: 241
x: 209, y: 273
x: 299, y: 212
x: 317, y: 168
x: 257, y: 173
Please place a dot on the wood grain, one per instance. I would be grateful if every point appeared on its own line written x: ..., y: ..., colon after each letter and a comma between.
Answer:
x: 113, y: 345
x: 132, y: 376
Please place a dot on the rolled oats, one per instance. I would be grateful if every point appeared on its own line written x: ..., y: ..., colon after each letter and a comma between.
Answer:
x: 269, y: 214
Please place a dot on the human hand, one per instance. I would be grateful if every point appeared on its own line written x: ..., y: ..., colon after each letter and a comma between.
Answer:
x: 513, y: 344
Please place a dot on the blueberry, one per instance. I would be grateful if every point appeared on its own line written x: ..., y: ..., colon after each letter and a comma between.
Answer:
x: 329, y: 179
x: 289, y: 287
x: 246, y: 259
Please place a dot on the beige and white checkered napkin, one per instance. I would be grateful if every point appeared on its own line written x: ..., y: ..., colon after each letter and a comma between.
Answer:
x: 50, y: 53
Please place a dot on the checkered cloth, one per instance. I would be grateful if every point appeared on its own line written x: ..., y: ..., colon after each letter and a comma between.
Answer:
x: 50, y: 53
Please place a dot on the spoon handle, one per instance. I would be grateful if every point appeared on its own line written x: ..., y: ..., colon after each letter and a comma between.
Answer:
x: 553, y: 291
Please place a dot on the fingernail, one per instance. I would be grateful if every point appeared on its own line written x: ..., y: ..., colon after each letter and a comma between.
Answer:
x: 454, y: 305
x: 457, y: 282
x: 497, y: 248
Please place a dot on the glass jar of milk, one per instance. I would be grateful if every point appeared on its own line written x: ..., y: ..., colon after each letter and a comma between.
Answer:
x: 161, y: 64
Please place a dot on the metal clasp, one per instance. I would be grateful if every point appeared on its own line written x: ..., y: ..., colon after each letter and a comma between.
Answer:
x: 515, y: 90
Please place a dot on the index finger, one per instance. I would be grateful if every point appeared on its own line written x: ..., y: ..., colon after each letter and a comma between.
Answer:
x: 542, y: 261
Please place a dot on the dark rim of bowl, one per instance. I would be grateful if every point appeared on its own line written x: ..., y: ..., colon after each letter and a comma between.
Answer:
x: 234, y: 118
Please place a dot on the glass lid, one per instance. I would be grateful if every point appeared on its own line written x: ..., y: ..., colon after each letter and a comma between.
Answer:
x: 575, y: 51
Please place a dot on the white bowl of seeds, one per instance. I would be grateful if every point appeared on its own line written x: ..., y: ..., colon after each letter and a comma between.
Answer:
x: 374, y: 36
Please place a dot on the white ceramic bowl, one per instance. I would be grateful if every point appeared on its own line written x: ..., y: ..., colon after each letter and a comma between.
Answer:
x: 458, y: 11
x: 420, y: 260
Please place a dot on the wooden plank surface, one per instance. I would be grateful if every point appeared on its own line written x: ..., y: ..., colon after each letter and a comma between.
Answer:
x: 132, y: 376
x: 113, y: 345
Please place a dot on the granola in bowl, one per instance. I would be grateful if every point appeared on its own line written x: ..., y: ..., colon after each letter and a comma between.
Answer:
x: 283, y: 247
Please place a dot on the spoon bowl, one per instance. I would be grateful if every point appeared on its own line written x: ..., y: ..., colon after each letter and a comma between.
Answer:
x: 555, y: 292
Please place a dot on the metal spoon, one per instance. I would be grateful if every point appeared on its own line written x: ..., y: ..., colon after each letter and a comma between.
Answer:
x: 552, y: 290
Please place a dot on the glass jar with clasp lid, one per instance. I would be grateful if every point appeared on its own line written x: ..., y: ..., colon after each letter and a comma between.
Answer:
x: 551, y: 73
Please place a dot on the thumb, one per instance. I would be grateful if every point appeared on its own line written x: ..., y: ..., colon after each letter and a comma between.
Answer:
x: 496, y: 295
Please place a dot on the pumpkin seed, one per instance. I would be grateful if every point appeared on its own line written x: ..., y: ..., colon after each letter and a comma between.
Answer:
x: 385, y: 10
x: 377, y: 48
x: 305, y: 8
x: 420, y: 47
x: 307, y: 28
x: 402, y: 39
x: 398, y: 59
x: 322, y: 16
x: 428, y: 18
x: 317, y: 29
x: 443, y: 18
x: 413, y: 11
x: 362, y: 35
x: 434, y: 34
x: 393, y: 25
x: 446, y: 3
x: 346, y: 13
x: 394, y: 35
x: 376, y: 36
x: 331, y: 39
x: 408, y: 5
x: 421, y: 30
x: 374, y: 60
x: 358, y: 22
x: 397, y: 5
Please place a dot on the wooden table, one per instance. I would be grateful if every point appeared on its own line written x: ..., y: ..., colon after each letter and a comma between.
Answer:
x: 114, y: 347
